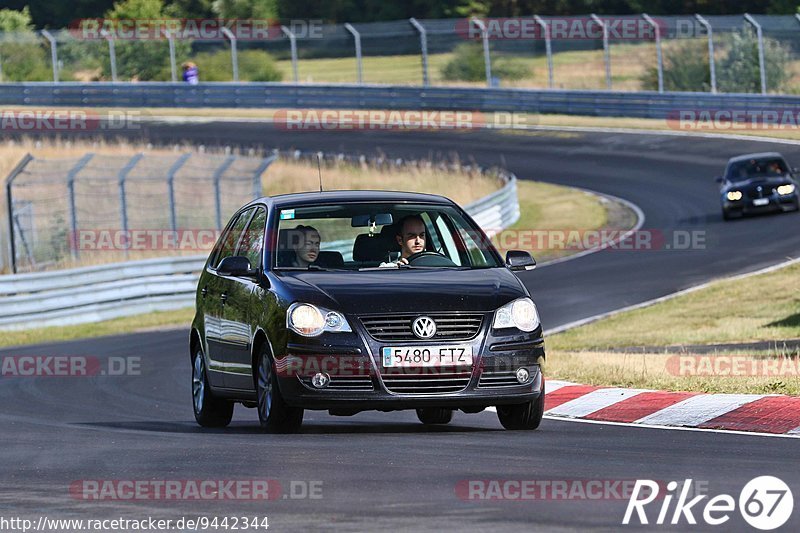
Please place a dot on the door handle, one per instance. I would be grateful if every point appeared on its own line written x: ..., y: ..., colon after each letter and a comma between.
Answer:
x: 223, y: 297
x: 204, y: 291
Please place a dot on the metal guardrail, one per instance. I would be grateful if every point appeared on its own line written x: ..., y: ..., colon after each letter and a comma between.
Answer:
x: 95, y: 293
x: 282, y: 96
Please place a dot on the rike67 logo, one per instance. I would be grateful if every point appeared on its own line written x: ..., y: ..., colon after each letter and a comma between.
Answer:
x: 765, y: 503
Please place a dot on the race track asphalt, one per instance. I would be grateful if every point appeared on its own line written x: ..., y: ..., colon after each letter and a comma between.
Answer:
x: 385, y: 470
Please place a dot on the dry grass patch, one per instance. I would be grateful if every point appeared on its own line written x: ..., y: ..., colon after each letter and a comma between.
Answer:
x: 760, y: 308
x: 680, y: 372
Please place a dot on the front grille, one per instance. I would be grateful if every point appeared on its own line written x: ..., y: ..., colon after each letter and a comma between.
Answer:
x: 426, y: 380
x: 344, y: 383
x: 498, y: 378
x: 765, y: 193
x: 449, y: 326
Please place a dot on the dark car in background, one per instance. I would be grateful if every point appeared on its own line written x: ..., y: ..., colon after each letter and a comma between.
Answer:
x: 305, y: 303
x: 758, y: 183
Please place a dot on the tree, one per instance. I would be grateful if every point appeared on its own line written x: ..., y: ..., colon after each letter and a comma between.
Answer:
x: 143, y: 60
x: 739, y: 71
x: 685, y: 69
x: 22, y: 53
x: 246, y: 9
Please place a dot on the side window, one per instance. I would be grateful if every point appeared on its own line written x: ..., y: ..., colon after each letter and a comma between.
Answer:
x: 450, y: 249
x: 252, y: 242
x: 227, y: 243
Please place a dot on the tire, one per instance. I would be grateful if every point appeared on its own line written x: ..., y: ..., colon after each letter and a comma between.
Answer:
x: 209, y: 411
x: 434, y: 415
x: 274, y: 414
x: 525, y: 416
x: 726, y: 215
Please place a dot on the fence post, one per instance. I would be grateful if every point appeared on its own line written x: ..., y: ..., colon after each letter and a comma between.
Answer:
x: 293, y: 45
x: 123, y: 204
x: 257, y: 191
x: 659, y: 58
x: 423, y: 44
x: 217, y: 177
x: 10, y: 200
x: 73, y: 212
x: 487, y: 60
x: 53, y: 53
x: 357, y: 37
x: 234, y: 55
x: 548, y: 49
x: 112, y: 53
x: 171, y: 42
x: 606, y: 52
x: 711, y: 64
x: 173, y: 170
x: 760, y: 36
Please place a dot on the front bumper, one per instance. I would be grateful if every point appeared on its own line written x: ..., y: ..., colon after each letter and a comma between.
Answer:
x: 752, y: 206
x: 358, y: 380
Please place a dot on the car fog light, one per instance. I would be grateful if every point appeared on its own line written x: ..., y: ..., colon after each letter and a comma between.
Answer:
x: 523, y: 375
x: 320, y: 380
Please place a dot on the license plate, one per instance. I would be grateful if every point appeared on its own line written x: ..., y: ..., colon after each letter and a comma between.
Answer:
x: 423, y: 356
x: 760, y: 201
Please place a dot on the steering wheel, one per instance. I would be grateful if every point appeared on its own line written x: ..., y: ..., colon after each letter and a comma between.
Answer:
x: 428, y: 258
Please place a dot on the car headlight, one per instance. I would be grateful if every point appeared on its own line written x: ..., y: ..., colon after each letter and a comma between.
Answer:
x: 310, y: 321
x: 520, y: 314
x: 786, y: 189
x: 734, y: 195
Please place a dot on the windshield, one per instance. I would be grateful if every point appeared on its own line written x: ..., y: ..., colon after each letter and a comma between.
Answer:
x: 380, y: 235
x: 757, y: 168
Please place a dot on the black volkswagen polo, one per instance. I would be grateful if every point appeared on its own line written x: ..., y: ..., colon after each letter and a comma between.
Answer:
x: 363, y: 300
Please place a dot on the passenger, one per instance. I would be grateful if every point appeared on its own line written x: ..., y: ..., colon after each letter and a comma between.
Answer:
x: 411, y: 237
x: 305, y: 243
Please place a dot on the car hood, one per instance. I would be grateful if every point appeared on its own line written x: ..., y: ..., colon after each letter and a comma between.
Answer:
x: 397, y: 291
x: 764, y: 182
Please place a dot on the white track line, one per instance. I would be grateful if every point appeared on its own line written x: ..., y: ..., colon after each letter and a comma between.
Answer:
x: 593, y: 401
x: 698, y: 409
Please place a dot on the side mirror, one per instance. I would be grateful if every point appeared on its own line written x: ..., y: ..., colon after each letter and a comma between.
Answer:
x: 795, y: 170
x: 520, y: 260
x: 237, y: 266
x: 719, y: 179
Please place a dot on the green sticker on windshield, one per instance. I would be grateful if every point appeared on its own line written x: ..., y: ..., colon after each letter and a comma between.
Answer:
x: 287, y: 214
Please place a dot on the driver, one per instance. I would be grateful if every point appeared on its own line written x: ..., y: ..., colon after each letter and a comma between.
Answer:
x: 411, y: 237
x: 305, y: 246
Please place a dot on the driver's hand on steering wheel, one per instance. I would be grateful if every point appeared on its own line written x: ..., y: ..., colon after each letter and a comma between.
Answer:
x: 402, y: 261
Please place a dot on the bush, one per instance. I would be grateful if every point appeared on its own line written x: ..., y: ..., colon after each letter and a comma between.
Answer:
x: 254, y: 65
x: 467, y: 64
x: 685, y: 69
x: 738, y: 71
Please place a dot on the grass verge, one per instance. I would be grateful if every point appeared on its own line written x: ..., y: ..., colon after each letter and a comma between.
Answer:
x: 724, y: 372
x: 131, y: 324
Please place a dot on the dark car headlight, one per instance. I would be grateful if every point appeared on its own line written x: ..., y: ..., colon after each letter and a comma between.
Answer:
x: 733, y: 196
x: 520, y: 314
x: 310, y: 321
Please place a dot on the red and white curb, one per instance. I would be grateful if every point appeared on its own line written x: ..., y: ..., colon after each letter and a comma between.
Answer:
x: 759, y: 413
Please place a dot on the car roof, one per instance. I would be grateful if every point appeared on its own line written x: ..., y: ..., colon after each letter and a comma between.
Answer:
x: 317, y: 198
x: 760, y: 155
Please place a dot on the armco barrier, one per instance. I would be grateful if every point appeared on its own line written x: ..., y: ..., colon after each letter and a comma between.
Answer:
x: 90, y: 294
x: 280, y: 95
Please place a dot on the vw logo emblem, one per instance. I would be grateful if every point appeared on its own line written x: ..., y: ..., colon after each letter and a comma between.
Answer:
x: 423, y: 327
